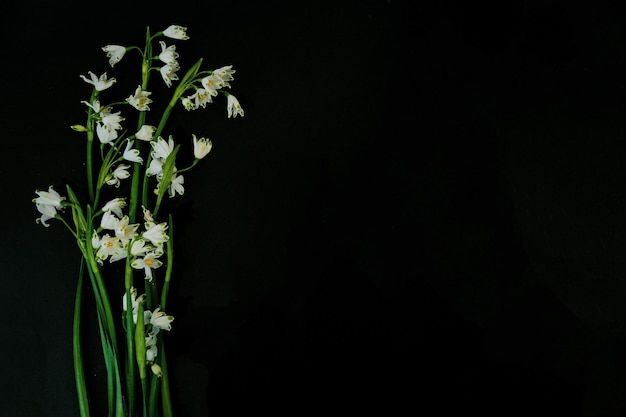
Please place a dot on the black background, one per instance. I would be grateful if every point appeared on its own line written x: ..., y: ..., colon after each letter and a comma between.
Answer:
x: 419, y: 211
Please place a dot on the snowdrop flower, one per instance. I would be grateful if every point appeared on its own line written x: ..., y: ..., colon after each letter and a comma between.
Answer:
x: 168, y: 73
x: 151, y: 346
x: 111, y: 120
x: 131, y: 154
x: 155, y: 168
x: 115, y: 206
x: 200, y: 98
x: 120, y: 173
x: 108, y: 221
x: 145, y: 133
x: 139, y: 247
x: 105, y: 133
x: 47, y: 212
x: 211, y: 84
x: 99, y: 84
x: 147, y: 216
x: 162, y: 149
x: 110, y: 246
x: 147, y: 263
x: 140, y: 99
x: 47, y: 204
x: 168, y: 54
x: 186, y: 102
x: 233, y: 107
x: 115, y: 53
x: 50, y: 197
x: 225, y: 74
x: 156, y: 233
x: 176, y: 32
x: 201, y: 147
x: 95, y: 106
x: 176, y: 186
x: 125, y: 231
x: 159, y: 319
x: 135, y: 301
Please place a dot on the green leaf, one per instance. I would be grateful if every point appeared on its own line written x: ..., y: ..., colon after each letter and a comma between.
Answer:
x: 166, y: 180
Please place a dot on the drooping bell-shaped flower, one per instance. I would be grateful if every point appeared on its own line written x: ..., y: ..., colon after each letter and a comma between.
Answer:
x: 176, y: 32
x: 115, y: 53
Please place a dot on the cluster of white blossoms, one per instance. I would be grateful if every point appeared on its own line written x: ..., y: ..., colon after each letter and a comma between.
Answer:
x: 106, y: 233
x: 109, y: 122
x: 120, y: 238
x: 154, y: 322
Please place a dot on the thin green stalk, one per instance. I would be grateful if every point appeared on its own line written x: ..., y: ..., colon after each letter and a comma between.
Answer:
x: 166, y: 399
x: 130, y: 337
x: 170, y: 263
x: 79, y: 370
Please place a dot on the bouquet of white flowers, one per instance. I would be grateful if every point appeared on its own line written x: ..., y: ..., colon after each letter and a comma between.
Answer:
x: 124, y: 224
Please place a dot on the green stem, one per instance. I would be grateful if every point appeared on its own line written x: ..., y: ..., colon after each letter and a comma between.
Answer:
x: 90, y: 135
x: 79, y: 370
x: 170, y: 263
x: 130, y: 338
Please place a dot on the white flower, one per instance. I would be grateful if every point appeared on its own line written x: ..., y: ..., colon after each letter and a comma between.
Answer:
x: 233, y: 107
x: 112, y: 120
x: 115, y: 206
x: 120, y: 173
x: 211, y: 84
x: 156, y: 233
x: 151, y: 346
x: 47, y: 204
x: 176, y: 185
x: 115, y: 53
x: 176, y: 32
x: 105, y: 133
x: 95, y: 240
x: 147, y: 216
x: 139, y: 247
x: 168, y: 73
x: 47, y: 212
x: 201, y: 147
x: 95, y: 106
x: 225, y: 74
x: 135, y: 301
x: 110, y: 246
x: 159, y: 319
x: 131, y: 154
x: 99, y: 84
x: 162, y: 149
x: 50, y: 197
x: 145, y: 133
x: 155, y: 168
x: 125, y: 231
x: 168, y: 54
x: 140, y: 99
x: 108, y: 221
x: 200, y: 98
x: 187, y: 103
x: 147, y: 263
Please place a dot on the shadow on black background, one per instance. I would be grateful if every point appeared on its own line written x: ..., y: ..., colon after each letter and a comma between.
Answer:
x: 419, y: 210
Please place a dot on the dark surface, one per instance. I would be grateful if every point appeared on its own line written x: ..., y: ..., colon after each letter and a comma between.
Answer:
x: 419, y: 210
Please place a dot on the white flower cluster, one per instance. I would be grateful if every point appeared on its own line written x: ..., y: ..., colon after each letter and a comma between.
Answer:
x: 154, y: 322
x: 122, y: 238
